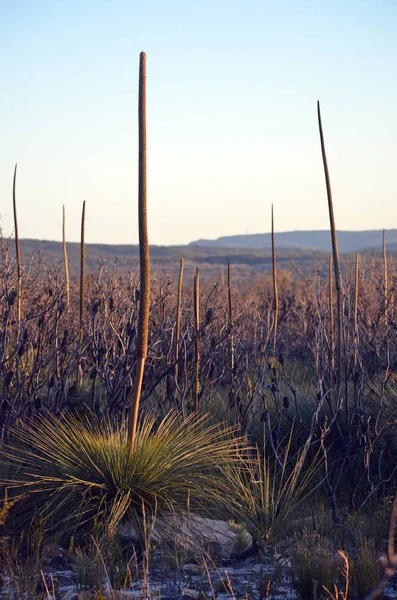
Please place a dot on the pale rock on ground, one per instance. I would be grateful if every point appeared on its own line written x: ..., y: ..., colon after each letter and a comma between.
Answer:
x: 197, y: 534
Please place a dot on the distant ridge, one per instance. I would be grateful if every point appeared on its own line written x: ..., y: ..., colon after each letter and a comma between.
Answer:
x: 165, y: 259
x: 348, y: 241
x: 297, y: 252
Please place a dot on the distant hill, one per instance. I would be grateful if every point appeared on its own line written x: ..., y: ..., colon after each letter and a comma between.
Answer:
x: 164, y: 259
x: 348, y: 241
x: 297, y: 252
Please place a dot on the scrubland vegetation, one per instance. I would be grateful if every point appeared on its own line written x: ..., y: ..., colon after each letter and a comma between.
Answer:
x: 270, y: 404
x: 66, y: 384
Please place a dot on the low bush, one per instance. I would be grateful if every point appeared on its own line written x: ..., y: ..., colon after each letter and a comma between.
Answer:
x: 77, y: 471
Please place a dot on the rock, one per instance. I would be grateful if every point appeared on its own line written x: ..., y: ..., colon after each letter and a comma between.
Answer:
x: 188, y: 594
x: 195, y: 534
x: 282, y: 561
x: 120, y: 595
x: 65, y: 579
x: 54, y: 557
x: 92, y: 595
x: 73, y: 595
x: 252, y: 551
x: 70, y: 595
x: 303, y: 523
x: 59, y: 563
x: 192, y: 569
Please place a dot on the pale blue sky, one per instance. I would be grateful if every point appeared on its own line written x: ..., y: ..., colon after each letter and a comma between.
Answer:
x: 232, y: 91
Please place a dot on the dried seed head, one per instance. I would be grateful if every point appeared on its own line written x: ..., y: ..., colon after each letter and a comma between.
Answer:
x: 11, y: 298
x: 95, y: 307
x: 8, y: 378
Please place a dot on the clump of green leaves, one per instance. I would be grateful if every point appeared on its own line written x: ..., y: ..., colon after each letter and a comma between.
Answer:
x: 269, y: 491
x: 21, y: 559
x: 315, y: 566
x: 365, y: 569
x: 79, y: 470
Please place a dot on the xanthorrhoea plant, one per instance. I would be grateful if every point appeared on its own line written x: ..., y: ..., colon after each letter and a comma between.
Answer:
x: 80, y: 470
x: 335, y: 253
x: 196, y: 294
x: 65, y: 258
x: 17, y: 248
x: 82, y: 267
x: 144, y: 258
x: 275, y: 288
x: 178, y: 322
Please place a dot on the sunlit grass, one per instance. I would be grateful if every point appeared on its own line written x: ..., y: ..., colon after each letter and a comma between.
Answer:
x: 269, y: 493
x: 77, y: 470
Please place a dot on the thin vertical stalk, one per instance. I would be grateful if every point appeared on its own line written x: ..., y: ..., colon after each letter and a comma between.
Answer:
x: 144, y: 258
x: 355, y: 325
x: 331, y: 317
x: 385, y: 278
x: 178, y: 322
x: 65, y: 258
x: 17, y: 248
x: 335, y: 253
x: 231, y: 324
x: 197, y: 343
x: 82, y: 268
x: 275, y: 288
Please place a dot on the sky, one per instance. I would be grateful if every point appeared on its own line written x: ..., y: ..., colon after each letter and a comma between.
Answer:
x: 232, y: 126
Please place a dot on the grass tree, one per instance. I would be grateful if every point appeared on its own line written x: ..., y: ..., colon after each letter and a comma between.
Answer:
x: 196, y: 295
x: 80, y: 471
x: 355, y: 312
x: 17, y: 248
x: 385, y: 277
x: 65, y: 258
x: 275, y: 287
x: 144, y: 258
x: 231, y: 321
x: 178, y: 322
x: 82, y: 267
x: 331, y: 320
x: 335, y: 255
